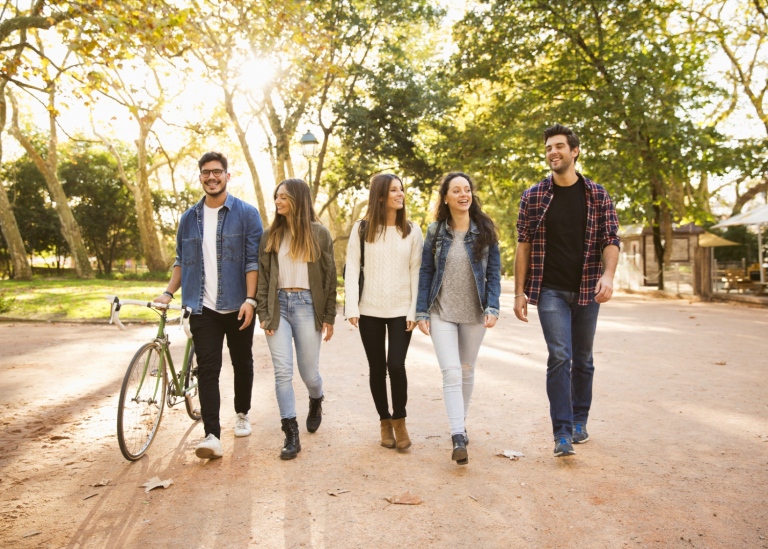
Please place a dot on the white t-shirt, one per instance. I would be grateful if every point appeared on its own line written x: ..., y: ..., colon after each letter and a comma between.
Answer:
x: 210, y: 266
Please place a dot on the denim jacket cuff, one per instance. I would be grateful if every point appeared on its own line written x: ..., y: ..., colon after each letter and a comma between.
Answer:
x: 491, y: 311
x: 422, y: 316
x: 251, y: 266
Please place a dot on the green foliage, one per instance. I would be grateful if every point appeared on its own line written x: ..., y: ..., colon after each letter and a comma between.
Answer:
x: 6, y: 303
x: 35, y: 216
x: 102, y: 206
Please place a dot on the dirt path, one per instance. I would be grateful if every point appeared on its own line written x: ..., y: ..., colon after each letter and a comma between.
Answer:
x: 678, y: 455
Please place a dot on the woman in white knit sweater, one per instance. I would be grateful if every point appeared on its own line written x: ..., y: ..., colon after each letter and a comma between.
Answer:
x: 386, y: 310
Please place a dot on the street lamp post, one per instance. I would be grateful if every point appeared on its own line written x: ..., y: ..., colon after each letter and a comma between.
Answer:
x: 309, y: 145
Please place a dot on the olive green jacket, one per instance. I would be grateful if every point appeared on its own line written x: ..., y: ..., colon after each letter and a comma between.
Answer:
x: 322, y: 282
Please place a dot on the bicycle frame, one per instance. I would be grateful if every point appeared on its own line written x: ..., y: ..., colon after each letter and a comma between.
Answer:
x: 176, y: 380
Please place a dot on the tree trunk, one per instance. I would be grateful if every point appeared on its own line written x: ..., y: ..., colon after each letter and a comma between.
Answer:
x: 16, y: 249
x: 70, y: 230
x: 154, y: 254
x: 248, y: 156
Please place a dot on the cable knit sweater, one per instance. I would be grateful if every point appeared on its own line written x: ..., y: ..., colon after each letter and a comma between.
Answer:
x: 391, y: 273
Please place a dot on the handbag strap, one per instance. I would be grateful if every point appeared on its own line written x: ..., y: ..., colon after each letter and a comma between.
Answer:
x: 361, y: 232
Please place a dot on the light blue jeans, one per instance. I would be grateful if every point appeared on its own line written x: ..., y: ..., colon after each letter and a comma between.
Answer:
x: 297, y: 326
x: 456, y: 347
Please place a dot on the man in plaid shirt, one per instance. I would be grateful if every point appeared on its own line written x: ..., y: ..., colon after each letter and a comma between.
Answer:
x: 565, y: 262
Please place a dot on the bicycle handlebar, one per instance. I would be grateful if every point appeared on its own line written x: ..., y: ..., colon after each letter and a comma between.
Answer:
x: 117, y: 303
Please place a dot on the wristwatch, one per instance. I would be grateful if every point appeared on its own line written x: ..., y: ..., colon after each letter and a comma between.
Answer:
x: 250, y: 301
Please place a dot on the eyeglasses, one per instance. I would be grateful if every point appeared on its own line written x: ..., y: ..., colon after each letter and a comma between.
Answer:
x: 215, y: 173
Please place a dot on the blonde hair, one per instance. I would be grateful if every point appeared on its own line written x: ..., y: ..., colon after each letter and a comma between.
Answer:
x: 298, y: 222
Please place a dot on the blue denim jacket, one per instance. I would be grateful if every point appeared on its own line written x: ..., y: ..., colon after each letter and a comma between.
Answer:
x: 487, y: 270
x: 238, y: 234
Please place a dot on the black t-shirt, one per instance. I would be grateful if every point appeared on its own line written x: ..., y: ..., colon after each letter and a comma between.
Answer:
x: 566, y: 224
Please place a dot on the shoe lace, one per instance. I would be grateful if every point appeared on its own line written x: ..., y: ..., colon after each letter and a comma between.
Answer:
x: 578, y: 428
x: 240, y: 423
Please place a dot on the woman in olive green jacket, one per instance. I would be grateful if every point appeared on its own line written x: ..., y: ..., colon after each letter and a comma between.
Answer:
x: 296, y: 302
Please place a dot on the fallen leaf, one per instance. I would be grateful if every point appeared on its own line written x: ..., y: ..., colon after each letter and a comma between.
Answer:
x: 511, y: 454
x: 30, y: 534
x: 155, y: 482
x: 89, y: 497
x: 405, y: 498
x: 58, y: 437
x: 337, y: 491
x: 473, y: 497
x: 722, y: 363
x: 102, y: 482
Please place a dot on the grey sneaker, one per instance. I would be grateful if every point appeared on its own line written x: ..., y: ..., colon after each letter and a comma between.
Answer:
x: 564, y: 448
x: 580, y: 435
x: 242, y: 425
x: 209, y: 448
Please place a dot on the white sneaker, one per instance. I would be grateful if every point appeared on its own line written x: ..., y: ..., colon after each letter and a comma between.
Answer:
x: 209, y: 448
x: 242, y: 425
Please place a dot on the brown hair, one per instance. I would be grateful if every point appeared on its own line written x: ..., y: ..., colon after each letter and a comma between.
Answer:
x: 298, y: 222
x: 488, y: 233
x: 376, y: 216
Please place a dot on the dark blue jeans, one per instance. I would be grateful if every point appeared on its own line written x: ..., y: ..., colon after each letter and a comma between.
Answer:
x: 208, y: 331
x: 569, y: 330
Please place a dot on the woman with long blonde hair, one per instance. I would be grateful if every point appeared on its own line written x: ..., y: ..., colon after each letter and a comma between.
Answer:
x: 296, y: 302
x: 385, y: 310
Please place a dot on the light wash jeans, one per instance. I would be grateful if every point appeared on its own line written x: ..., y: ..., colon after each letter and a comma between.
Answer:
x: 569, y: 330
x: 456, y: 347
x: 297, y: 323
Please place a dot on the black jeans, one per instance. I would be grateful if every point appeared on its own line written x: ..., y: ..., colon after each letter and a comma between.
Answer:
x: 208, y: 331
x: 374, y: 331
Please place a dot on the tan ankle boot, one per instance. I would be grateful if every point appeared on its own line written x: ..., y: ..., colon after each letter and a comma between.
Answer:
x: 387, y: 434
x: 401, y: 434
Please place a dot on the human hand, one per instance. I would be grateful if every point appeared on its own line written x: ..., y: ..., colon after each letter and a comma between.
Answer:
x: 268, y: 332
x: 490, y: 321
x: 410, y: 325
x: 162, y: 298
x: 424, y: 326
x: 328, y: 331
x: 521, y: 307
x: 353, y: 320
x: 604, y: 289
x: 246, y: 315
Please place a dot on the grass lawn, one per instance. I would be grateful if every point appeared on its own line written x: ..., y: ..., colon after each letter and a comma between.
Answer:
x: 74, y: 299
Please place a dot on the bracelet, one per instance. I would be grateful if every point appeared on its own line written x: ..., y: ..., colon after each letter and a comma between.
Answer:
x: 250, y: 301
x: 169, y: 294
x: 521, y: 295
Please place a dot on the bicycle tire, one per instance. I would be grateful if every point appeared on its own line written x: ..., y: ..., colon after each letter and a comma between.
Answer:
x: 142, y: 400
x: 192, y: 400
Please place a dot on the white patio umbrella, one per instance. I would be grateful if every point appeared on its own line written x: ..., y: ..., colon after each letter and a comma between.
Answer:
x: 758, y: 216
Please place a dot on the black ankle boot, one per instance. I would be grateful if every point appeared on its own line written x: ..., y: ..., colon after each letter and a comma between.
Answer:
x: 292, y: 445
x: 315, y: 415
x: 459, y: 454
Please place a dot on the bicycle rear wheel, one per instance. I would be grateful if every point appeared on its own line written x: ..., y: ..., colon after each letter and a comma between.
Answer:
x: 192, y: 398
x: 142, y: 398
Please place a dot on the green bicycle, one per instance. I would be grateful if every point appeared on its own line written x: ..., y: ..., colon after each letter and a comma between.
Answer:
x: 146, y: 387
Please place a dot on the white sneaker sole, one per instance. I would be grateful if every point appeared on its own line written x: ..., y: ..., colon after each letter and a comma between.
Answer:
x: 206, y: 453
x: 242, y: 433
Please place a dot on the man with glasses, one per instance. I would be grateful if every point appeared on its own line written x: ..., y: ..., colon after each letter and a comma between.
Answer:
x: 217, y: 261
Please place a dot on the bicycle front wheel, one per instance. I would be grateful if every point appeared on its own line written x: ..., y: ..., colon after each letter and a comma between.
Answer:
x: 192, y: 396
x: 142, y: 398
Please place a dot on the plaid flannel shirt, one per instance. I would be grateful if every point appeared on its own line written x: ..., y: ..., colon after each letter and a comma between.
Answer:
x: 602, y: 230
